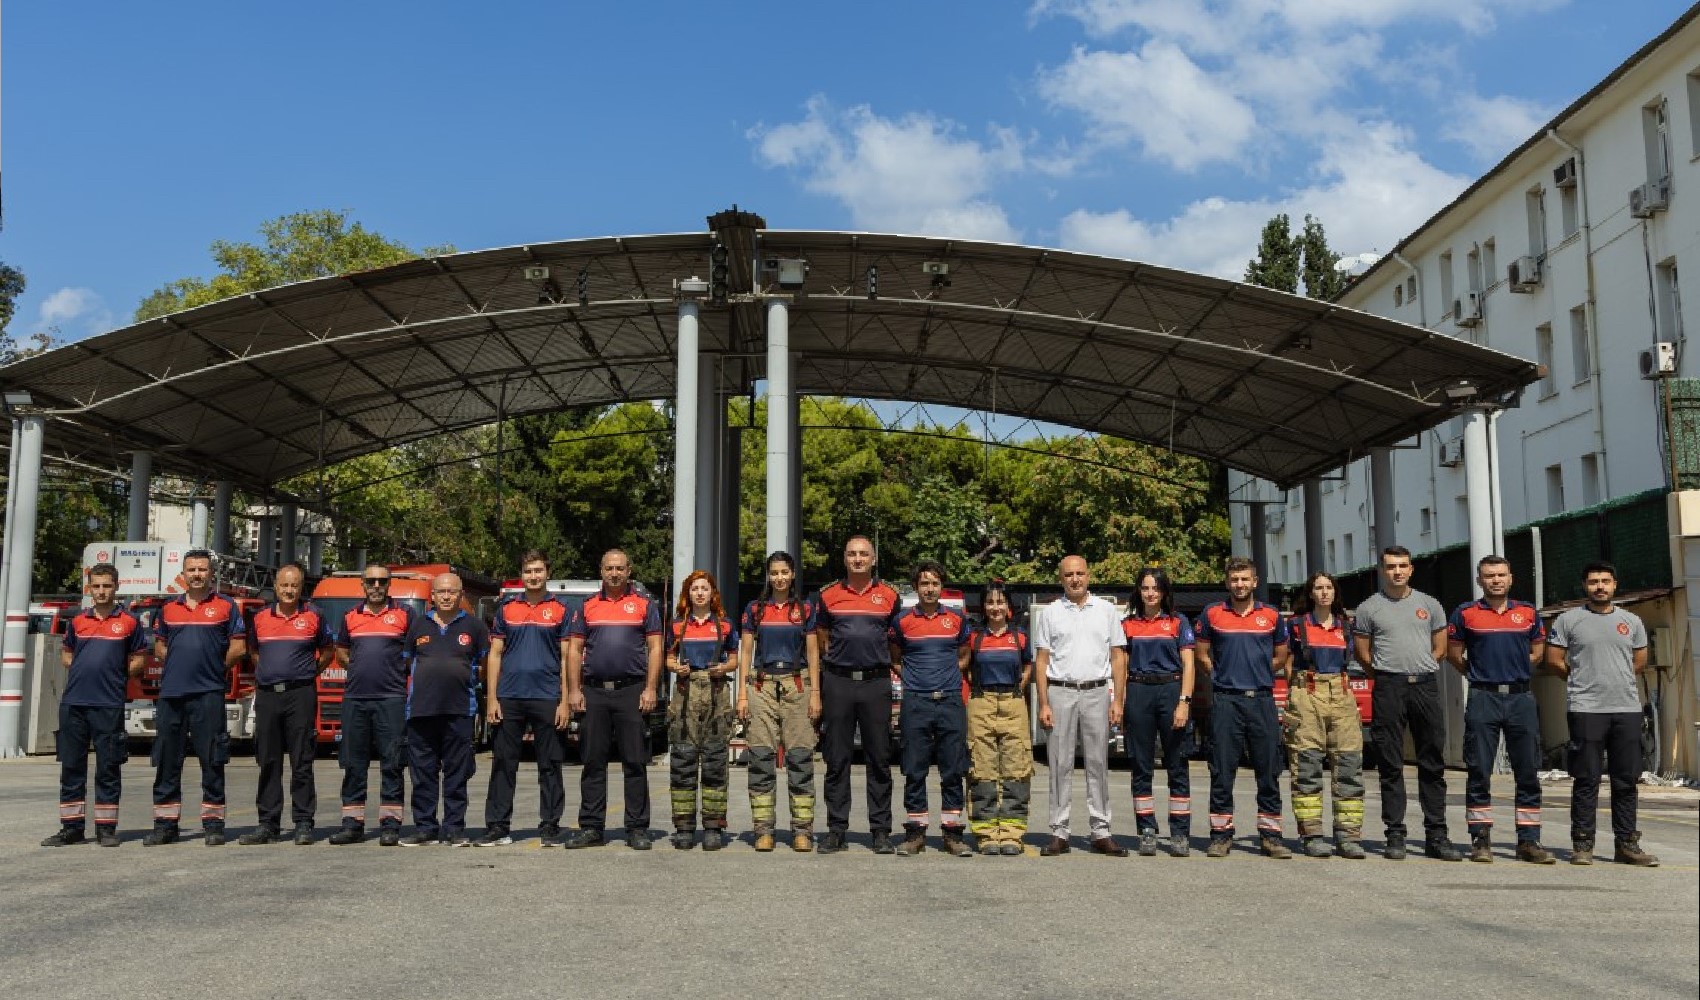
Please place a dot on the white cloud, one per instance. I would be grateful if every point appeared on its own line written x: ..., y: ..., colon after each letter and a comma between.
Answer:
x: 1369, y: 188
x: 1490, y: 127
x: 76, y: 312
x: 918, y: 173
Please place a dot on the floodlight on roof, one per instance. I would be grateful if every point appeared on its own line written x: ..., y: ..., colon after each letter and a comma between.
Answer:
x: 1461, y: 391
x: 18, y: 397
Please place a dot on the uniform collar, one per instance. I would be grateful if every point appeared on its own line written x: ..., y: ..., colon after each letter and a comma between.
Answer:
x: 389, y: 605
x: 301, y: 608
x: 1256, y: 606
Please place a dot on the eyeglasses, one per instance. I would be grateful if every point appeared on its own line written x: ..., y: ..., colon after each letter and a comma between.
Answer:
x: 379, y: 580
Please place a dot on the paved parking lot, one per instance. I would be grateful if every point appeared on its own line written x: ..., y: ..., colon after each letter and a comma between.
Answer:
x: 322, y: 921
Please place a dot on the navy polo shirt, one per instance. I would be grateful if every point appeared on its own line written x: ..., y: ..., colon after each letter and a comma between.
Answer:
x: 100, y: 658
x: 1496, y: 643
x: 531, y: 637
x: 701, y: 643
x: 929, y: 644
x: 196, y: 640
x: 781, y: 630
x: 615, y: 630
x: 286, y: 647
x: 999, y: 658
x: 1320, y: 648
x: 1154, y: 644
x: 857, y: 623
x: 377, y: 651
x: 1242, y: 647
x: 443, y: 662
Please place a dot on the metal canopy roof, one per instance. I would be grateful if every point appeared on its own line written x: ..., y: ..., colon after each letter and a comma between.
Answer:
x: 268, y: 385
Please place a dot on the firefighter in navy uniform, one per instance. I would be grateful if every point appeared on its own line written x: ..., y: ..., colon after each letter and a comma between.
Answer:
x: 446, y: 651
x: 371, y: 647
x: 1495, y: 642
x: 931, y: 642
x: 292, y: 643
x: 703, y: 657
x: 1158, y: 707
x: 1000, y: 742
x: 199, y: 636
x: 103, y: 648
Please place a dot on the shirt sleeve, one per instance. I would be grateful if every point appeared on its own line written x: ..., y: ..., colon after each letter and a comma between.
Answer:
x: 323, y: 637
x: 750, y: 621
x: 499, y: 622
x: 729, y: 645
x: 1560, y: 635
x: 823, y: 611
x: 963, y: 632
x: 812, y: 612
x: 1183, y: 633
x: 564, y: 630
x: 1438, y: 613
x: 70, y: 641
x: 652, y: 619
x: 894, y: 634
x: 138, y: 637
x: 1637, y: 633
x: 480, y: 641
x: 1042, y: 628
x: 1202, y: 628
x: 575, y: 629
x: 234, y: 625
x: 1537, y: 629
x: 896, y: 606
x: 1022, y: 644
x: 339, y: 634
x: 1282, y: 633
x: 1363, y: 623
x: 1455, y: 625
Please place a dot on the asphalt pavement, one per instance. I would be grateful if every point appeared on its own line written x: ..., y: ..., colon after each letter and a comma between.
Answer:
x: 283, y: 921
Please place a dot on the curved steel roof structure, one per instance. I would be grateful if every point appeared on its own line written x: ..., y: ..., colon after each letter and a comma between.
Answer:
x: 268, y: 385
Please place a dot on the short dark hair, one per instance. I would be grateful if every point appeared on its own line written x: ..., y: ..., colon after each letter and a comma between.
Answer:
x: 1600, y: 566
x: 1492, y: 560
x: 1238, y: 563
x: 533, y: 555
x: 932, y: 566
x: 1396, y: 550
x: 104, y: 569
x: 198, y: 554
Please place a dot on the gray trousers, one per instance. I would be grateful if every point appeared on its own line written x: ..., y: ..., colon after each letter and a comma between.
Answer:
x: 1079, y: 720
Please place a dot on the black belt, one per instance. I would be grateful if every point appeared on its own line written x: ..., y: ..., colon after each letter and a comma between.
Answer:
x: 613, y: 685
x: 1153, y: 678
x: 1518, y: 688
x: 778, y: 668
x: 1407, y: 678
x: 997, y: 688
x: 932, y: 695
x: 1239, y: 692
x: 1082, y: 686
x: 282, y: 686
x: 865, y: 674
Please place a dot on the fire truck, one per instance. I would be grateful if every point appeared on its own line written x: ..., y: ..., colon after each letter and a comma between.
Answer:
x: 149, y: 574
x: 410, y: 587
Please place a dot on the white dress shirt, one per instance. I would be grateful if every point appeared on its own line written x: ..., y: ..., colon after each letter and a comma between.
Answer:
x: 1079, y: 637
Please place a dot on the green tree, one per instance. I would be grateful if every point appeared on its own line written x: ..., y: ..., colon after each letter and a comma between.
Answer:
x: 296, y: 247
x: 12, y: 285
x: 1321, y: 280
x: 1277, y: 262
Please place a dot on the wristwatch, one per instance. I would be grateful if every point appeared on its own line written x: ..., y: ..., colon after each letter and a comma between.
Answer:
x: 1186, y: 699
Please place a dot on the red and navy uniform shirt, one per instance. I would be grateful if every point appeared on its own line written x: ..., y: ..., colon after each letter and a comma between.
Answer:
x: 615, y: 631
x: 196, y: 640
x: 1154, y: 644
x: 377, y: 651
x: 1496, y: 643
x: 286, y: 647
x: 100, y: 658
x: 443, y: 665
x: 999, y: 658
x: 531, y: 637
x: 1320, y: 648
x: 857, y: 623
x: 1242, y: 647
x: 929, y: 644
x: 704, y: 642
x: 781, y: 631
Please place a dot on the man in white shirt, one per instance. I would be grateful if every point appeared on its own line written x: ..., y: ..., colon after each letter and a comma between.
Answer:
x: 1081, y: 667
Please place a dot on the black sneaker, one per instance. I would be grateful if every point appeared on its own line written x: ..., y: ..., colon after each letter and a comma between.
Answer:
x: 1394, y: 849
x: 389, y: 837
x: 549, y: 835
x: 347, y: 835
x: 1441, y: 849
x: 882, y: 843
x: 213, y: 838
x: 257, y: 836
x: 66, y: 836
x: 161, y: 835
x: 107, y: 836
x: 832, y: 843
x: 457, y: 840
x: 418, y: 840
x: 303, y: 834
x: 495, y: 837
x: 638, y: 840
x: 581, y: 838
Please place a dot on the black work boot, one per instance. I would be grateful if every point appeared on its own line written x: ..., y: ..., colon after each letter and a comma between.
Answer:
x: 66, y: 836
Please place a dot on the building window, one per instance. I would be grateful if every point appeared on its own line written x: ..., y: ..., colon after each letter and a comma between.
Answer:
x: 1284, y: 575
x: 1581, y: 352
x: 1543, y: 357
x: 1669, y: 301
x: 1555, y: 489
x: 1333, y: 564
x: 1346, y: 552
x: 1590, y: 480
x: 1425, y: 521
x: 1461, y: 507
x: 1655, y: 136
x: 1694, y: 111
x: 1473, y: 269
x: 1569, y: 216
x: 1398, y: 295
x: 1446, y: 297
x: 1411, y: 288
x: 1490, y: 263
x: 1535, y: 203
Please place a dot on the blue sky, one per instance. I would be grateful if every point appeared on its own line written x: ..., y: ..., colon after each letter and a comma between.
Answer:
x: 1166, y: 130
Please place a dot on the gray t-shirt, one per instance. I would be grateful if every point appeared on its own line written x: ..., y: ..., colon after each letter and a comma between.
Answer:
x: 1401, y: 633
x: 1600, y: 650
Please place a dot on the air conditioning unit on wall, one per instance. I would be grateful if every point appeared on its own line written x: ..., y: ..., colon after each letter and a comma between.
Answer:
x: 1564, y: 175
x: 1660, y: 361
x: 1452, y: 452
x: 1467, y: 310
x: 1524, y: 274
x: 1653, y: 196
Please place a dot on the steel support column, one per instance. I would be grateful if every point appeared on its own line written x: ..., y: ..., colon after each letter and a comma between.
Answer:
x: 1479, y: 487
x: 685, y: 430
x: 11, y: 509
x: 1257, y: 526
x: 198, y: 516
x: 223, y: 490
x: 265, y: 554
x: 19, y: 559
x: 1314, y: 562
x: 731, y: 513
x: 780, y: 454
x: 289, y: 531
x: 794, y: 541
x: 1384, y: 532
x: 711, y: 437
x: 316, y: 554
x: 141, y: 484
